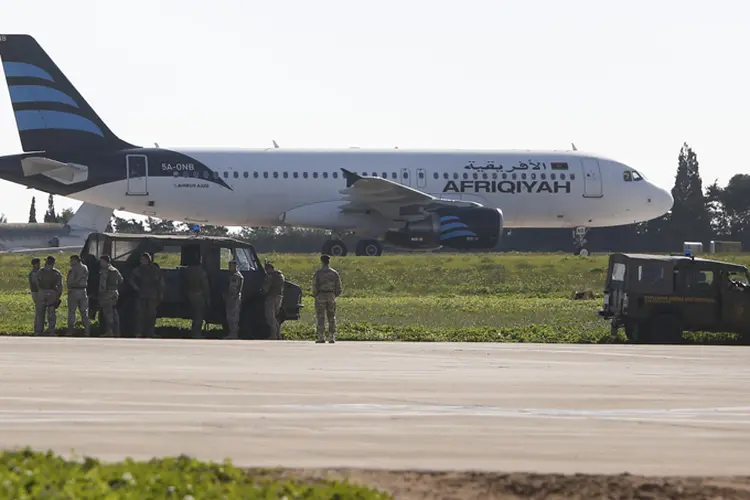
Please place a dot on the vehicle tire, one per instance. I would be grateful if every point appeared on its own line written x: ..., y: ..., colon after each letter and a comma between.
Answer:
x: 665, y: 329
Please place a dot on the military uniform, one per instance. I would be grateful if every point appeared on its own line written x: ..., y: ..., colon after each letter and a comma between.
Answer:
x: 273, y: 287
x: 36, y: 296
x: 326, y: 286
x: 78, y: 280
x: 148, y: 281
x: 233, y: 302
x: 198, y: 292
x: 50, y: 291
x: 110, y: 280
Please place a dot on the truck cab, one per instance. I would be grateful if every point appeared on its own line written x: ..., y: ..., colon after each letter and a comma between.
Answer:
x: 173, y: 253
x: 656, y: 298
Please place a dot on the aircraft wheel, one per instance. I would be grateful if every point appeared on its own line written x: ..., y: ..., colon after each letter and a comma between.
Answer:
x: 369, y: 248
x: 335, y: 248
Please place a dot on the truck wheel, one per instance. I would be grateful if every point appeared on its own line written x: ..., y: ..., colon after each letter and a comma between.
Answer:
x: 665, y: 329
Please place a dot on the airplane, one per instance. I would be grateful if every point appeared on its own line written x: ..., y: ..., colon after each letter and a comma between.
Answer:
x: 419, y: 200
x: 33, y: 237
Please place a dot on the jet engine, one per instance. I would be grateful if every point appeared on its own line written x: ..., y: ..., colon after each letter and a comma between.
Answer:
x: 461, y: 228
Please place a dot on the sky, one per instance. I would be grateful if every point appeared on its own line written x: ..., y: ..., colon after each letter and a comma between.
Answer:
x: 633, y: 81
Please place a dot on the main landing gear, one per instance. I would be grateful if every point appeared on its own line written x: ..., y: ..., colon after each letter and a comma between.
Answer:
x: 337, y: 248
x: 579, y: 241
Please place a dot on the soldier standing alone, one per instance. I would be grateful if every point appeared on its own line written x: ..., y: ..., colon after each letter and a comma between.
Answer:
x: 273, y: 287
x: 50, y: 291
x: 78, y: 280
x: 148, y: 282
x: 326, y: 286
x: 233, y: 300
x: 34, y: 289
x: 198, y: 292
x: 110, y: 280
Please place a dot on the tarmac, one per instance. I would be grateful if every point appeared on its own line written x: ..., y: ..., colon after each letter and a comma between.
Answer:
x: 504, y: 407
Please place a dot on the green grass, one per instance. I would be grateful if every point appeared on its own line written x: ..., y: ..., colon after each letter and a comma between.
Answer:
x: 419, y: 297
x: 27, y: 474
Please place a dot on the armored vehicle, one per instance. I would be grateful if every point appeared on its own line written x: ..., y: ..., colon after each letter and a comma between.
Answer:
x: 656, y: 298
x: 212, y: 253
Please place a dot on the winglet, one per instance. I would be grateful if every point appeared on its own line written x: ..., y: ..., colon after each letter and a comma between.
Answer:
x: 350, y: 177
x: 574, y: 147
x: 276, y: 146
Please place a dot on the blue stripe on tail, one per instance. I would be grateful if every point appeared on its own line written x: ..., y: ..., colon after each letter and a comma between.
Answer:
x: 45, y: 120
x: 25, y: 70
x: 38, y: 93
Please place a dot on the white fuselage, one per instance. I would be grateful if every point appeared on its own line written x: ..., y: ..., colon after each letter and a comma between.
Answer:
x: 302, y: 188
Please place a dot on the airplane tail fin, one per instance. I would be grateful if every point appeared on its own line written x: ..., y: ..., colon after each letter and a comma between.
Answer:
x: 50, y: 113
x: 91, y: 218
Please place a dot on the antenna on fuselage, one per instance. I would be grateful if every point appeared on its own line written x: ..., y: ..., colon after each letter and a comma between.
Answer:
x: 574, y: 147
x: 156, y: 144
x: 275, y: 145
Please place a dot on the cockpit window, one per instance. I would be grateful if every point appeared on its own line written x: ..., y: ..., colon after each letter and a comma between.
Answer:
x: 627, y: 177
x: 637, y: 176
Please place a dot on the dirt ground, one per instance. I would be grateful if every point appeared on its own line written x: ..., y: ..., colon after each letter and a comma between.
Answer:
x: 420, y: 485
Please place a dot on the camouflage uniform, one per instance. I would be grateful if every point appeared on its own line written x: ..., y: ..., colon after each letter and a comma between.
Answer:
x: 148, y: 281
x: 50, y: 291
x: 110, y: 280
x: 233, y: 301
x: 36, y: 297
x: 273, y: 287
x: 78, y: 280
x: 198, y: 292
x: 326, y: 286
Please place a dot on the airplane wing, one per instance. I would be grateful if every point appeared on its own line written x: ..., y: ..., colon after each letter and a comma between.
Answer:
x: 392, y: 200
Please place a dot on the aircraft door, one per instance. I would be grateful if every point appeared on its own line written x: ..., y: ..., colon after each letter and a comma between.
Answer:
x: 421, y: 178
x: 592, y: 178
x: 137, y: 172
x: 405, y: 177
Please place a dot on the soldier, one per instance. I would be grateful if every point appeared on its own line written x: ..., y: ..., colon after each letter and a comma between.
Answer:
x: 199, y: 295
x: 273, y: 288
x: 78, y: 280
x: 233, y: 299
x: 110, y: 280
x: 34, y: 289
x: 326, y: 286
x: 148, y: 282
x: 50, y: 291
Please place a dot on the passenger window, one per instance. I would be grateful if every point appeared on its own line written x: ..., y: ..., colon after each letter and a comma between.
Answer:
x: 513, y: 176
x: 335, y: 175
x: 544, y: 176
x: 436, y: 175
x: 466, y: 176
x: 304, y: 175
x: 246, y: 175
x: 553, y: 176
x: 315, y: 175
x: 394, y: 176
x: 265, y: 175
x: 562, y: 177
x: 295, y: 175
x: 275, y: 175
x: 572, y: 177
x: 255, y: 174
x: 325, y: 175
x: 236, y: 175
x: 226, y: 174
x: 484, y: 176
x: 523, y: 176
x: 286, y: 175
x: 626, y: 176
x: 446, y: 176
x: 476, y: 175
x: 455, y: 176
x: 494, y: 175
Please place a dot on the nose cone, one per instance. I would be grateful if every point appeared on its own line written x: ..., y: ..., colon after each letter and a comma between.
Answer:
x: 660, y: 201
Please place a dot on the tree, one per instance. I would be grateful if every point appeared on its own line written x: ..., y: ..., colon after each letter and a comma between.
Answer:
x: 690, y: 220
x: 161, y: 226
x: 32, y: 211
x: 65, y: 216
x: 50, y: 215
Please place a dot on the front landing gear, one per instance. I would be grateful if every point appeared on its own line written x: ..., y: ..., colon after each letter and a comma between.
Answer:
x: 579, y: 241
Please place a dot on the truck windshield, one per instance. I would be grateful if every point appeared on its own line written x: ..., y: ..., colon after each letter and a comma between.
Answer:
x: 245, y: 261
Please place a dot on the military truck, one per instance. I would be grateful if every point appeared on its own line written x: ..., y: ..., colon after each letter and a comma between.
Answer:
x: 658, y: 297
x: 213, y: 253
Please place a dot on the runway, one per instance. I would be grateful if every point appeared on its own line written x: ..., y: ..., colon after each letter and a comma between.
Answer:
x: 506, y: 407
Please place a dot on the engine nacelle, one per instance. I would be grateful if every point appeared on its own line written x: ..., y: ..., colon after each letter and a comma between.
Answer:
x: 461, y: 228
